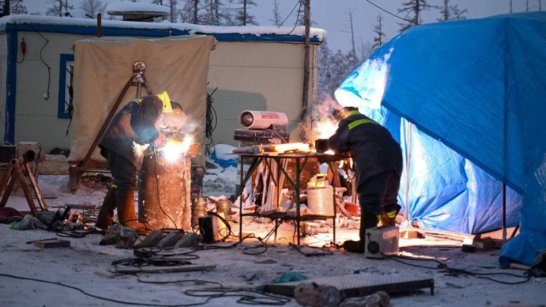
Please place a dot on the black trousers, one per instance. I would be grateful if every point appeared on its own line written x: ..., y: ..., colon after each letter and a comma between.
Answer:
x: 378, y: 194
x: 123, y: 171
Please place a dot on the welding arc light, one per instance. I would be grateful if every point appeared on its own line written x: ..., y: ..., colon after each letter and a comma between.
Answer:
x: 247, y: 119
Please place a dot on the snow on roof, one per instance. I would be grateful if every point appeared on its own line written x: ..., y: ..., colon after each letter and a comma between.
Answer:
x: 316, y: 33
x: 121, y: 8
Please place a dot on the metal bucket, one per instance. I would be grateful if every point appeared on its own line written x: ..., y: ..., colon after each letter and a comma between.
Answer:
x: 198, y: 209
x: 320, y: 200
x: 224, y: 206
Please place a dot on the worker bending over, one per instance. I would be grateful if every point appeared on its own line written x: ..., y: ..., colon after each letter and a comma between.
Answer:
x: 134, y: 123
x: 378, y: 160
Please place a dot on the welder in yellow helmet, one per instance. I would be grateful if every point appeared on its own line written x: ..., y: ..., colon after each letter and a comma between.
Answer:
x: 136, y: 123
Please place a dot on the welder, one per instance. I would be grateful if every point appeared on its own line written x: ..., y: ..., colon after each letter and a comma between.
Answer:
x: 136, y: 123
x: 378, y: 162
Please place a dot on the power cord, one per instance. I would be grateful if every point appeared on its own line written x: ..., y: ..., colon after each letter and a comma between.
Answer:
x: 247, y: 296
x: 313, y: 254
x: 455, y: 272
x: 211, y: 118
x: 102, y: 297
x: 158, y: 192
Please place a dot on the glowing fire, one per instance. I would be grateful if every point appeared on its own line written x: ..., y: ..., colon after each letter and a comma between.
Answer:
x: 295, y: 147
x: 174, y: 149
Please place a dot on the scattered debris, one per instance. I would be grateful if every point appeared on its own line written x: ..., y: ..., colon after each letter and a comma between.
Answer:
x: 314, y: 295
x: 378, y: 299
x: 51, y: 243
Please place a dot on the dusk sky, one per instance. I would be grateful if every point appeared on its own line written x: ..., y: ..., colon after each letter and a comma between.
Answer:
x: 333, y: 16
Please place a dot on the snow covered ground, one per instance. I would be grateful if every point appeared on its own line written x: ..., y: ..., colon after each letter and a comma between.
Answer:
x: 80, y: 275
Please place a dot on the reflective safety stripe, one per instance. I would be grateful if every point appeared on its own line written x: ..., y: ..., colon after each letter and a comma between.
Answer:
x: 351, y: 113
x: 114, y: 186
x: 392, y: 214
x: 359, y: 122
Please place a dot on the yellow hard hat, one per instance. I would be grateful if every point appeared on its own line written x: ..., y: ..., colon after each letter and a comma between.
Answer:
x: 164, y: 97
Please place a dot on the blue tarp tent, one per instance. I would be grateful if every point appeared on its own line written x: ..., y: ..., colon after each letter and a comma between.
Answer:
x: 467, y: 101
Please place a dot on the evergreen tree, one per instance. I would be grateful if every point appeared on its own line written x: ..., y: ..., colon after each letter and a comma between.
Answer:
x: 380, y: 36
x: 91, y: 8
x: 17, y: 7
x: 60, y: 8
x: 413, y: 9
x: 451, y: 12
x: 324, y: 76
x: 333, y: 68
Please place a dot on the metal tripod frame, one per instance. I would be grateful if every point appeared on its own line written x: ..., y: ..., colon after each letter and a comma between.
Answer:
x: 137, y: 79
x: 16, y: 171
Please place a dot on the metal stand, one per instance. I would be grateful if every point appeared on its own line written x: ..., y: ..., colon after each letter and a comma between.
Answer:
x: 300, y: 160
x: 16, y: 170
x: 137, y: 79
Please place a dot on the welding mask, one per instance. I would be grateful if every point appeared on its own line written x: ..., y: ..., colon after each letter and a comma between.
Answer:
x: 143, y: 120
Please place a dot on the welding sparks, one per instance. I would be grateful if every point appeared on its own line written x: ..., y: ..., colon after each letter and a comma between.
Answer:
x: 325, y: 129
x: 175, y: 149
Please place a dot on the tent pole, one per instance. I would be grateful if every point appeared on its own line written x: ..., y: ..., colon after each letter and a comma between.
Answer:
x: 504, y: 211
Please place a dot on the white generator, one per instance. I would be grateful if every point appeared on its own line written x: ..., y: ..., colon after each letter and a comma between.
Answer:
x: 381, y: 241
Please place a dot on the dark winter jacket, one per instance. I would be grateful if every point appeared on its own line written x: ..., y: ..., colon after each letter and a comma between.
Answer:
x: 133, y: 123
x: 371, y: 145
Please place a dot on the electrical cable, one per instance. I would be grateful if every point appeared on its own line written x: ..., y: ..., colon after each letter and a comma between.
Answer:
x: 277, y: 134
x: 261, y: 299
x: 156, y: 177
x: 211, y: 118
x: 102, y: 297
x: 313, y: 254
x: 290, y: 14
x: 388, y: 12
x: 297, y: 18
x: 455, y: 272
x: 46, y: 96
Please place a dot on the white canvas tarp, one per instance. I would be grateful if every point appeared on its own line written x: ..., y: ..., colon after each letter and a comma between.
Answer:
x: 103, y: 66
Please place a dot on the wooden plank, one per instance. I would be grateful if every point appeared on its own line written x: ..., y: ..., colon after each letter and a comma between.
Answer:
x: 51, y: 243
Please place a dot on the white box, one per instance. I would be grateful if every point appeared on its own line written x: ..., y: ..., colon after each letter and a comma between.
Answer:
x: 381, y: 241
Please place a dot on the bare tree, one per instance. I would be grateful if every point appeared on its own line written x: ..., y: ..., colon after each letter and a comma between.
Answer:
x: 190, y: 12
x: 413, y: 10
x: 276, y: 19
x: 212, y: 13
x: 91, y: 8
x: 379, y: 36
x: 243, y: 17
x: 60, y: 8
x: 451, y: 12
x: 17, y: 7
x: 353, y: 49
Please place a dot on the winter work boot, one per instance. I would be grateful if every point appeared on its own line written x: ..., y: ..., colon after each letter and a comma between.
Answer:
x: 388, y: 216
x: 104, y: 220
x: 125, y: 199
x: 367, y: 220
